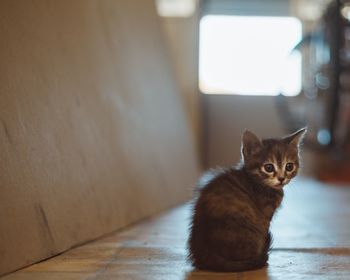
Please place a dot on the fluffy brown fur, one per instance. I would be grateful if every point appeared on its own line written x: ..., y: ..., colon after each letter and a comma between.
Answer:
x: 234, y: 206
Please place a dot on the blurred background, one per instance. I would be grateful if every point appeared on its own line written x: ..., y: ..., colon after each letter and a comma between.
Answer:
x: 269, y: 66
x: 110, y: 110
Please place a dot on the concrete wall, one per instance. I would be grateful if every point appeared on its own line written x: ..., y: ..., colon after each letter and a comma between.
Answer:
x: 182, y: 36
x: 93, y: 134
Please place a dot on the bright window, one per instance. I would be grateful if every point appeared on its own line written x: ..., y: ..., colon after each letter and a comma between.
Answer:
x: 249, y: 55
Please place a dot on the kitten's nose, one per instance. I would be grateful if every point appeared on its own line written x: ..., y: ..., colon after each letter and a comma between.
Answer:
x: 281, y: 179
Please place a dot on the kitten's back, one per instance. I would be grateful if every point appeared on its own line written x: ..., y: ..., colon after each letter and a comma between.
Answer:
x: 219, y: 223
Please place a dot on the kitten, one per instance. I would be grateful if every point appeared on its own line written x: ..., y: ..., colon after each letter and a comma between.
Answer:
x: 234, y: 206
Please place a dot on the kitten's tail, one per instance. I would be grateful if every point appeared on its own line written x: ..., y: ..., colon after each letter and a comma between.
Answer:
x: 217, y: 263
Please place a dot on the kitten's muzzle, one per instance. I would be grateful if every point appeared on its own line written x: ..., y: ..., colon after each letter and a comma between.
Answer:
x: 281, y: 179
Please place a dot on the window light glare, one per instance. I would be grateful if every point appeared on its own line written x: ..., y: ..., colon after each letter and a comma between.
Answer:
x: 324, y: 136
x: 345, y: 11
x: 176, y: 8
x: 249, y: 55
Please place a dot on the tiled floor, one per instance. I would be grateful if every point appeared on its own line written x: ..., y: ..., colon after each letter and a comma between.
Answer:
x: 311, y: 241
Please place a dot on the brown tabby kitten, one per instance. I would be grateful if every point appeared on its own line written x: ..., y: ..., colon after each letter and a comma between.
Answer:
x: 234, y: 206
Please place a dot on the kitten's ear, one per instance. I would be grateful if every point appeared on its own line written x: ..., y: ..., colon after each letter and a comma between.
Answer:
x: 296, y: 137
x: 251, y: 144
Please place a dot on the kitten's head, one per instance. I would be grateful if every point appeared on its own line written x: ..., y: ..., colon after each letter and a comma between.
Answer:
x: 272, y: 162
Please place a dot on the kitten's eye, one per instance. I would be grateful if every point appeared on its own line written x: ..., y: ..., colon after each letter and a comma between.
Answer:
x: 269, y: 167
x: 289, y: 166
